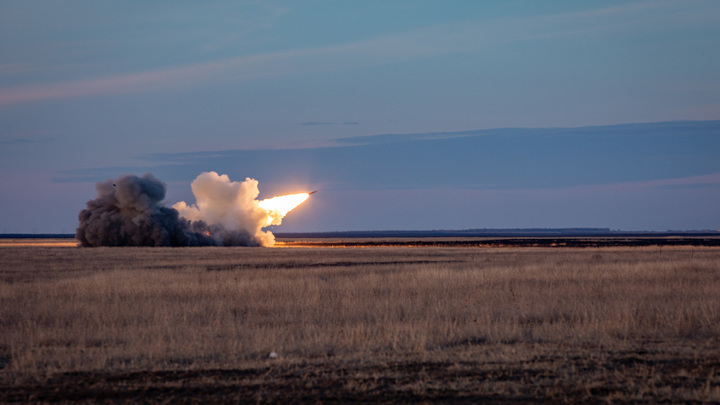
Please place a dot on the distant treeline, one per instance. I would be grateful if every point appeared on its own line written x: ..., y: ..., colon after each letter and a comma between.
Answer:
x: 476, y: 233
x: 466, y: 233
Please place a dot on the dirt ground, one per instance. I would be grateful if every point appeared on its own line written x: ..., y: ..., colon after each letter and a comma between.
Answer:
x: 522, y: 325
x: 657, y: 372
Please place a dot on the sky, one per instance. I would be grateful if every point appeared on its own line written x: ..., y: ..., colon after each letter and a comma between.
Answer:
x: 405, y: 115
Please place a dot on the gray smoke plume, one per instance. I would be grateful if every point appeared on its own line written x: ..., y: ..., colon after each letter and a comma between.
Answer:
x: 127, y: 212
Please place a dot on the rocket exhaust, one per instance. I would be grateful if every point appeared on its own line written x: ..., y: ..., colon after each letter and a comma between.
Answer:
x: 128, y: 212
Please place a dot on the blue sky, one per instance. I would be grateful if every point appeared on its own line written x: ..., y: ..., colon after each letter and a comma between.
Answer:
x: 385, y: 106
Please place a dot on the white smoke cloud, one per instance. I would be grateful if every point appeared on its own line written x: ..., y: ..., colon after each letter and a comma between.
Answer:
x: 231, y: 204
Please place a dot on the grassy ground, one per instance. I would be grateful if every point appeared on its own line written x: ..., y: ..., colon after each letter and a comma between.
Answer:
x: 376, y: 324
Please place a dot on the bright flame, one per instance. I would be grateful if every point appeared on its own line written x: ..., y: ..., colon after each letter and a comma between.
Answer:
x: 278, y: 207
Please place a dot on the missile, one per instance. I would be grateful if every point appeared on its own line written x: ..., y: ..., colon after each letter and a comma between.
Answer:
x: 312, y: 192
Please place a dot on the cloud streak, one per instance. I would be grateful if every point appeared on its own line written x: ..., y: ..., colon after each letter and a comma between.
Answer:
x: 470, y: 36
x: 486, y: 159
x: 327, y: 123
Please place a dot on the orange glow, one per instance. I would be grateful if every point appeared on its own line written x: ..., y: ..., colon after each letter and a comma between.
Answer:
x: 60, y: 242
x: 278, y: 207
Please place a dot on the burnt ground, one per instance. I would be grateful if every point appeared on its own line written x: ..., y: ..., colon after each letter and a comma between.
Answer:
x: 582, y: 375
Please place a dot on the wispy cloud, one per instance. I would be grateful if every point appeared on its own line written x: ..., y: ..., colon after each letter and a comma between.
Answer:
x: 238, y: 69
x: 128, y: 83
x: 648, y: 156
x: 324, y: 123
x: 692, y: 182
x: 15, y: 141
x: 468, y: 36
x: 26, y: 139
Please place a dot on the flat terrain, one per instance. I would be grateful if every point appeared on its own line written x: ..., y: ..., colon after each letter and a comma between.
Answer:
x: 399, y: 322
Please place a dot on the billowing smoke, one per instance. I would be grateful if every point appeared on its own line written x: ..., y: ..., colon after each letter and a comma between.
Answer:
x: 128, y: 212
x: 232, y: 209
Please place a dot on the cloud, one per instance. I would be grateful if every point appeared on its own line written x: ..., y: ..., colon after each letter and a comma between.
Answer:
x: 15, y: 141
x: 121, y: 84
x: 694, y: 182
x: 292, y: 62
x: 20, y: 140
x: 459, y: 37
x: 317, y: 123
x: 324, y: 123
x: 538, y: 158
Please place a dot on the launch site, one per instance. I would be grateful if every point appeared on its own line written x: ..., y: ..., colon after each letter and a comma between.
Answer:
x: 202, y: 302
x: 373, y: 202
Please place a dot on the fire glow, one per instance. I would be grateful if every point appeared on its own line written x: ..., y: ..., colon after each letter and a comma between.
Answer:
x: 278, y: 207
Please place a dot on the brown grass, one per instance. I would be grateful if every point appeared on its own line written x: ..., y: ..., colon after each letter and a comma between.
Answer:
x: 504, y: 323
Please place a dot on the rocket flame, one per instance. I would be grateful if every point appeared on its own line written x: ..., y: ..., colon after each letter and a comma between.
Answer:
x: 278, y: 207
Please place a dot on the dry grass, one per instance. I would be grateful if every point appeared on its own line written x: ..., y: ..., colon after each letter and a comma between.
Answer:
x: 562, y: 319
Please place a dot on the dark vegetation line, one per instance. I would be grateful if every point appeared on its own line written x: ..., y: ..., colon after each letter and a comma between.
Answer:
x: 523, y: 242
x: 495, y: 233
x: 467, y: 233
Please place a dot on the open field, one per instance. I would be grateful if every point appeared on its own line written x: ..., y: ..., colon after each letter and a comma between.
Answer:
x: 368, y: 324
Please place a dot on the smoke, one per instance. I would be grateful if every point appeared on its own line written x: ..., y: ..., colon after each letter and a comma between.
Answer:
x: 231, y: 207
x: 128, y: 212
